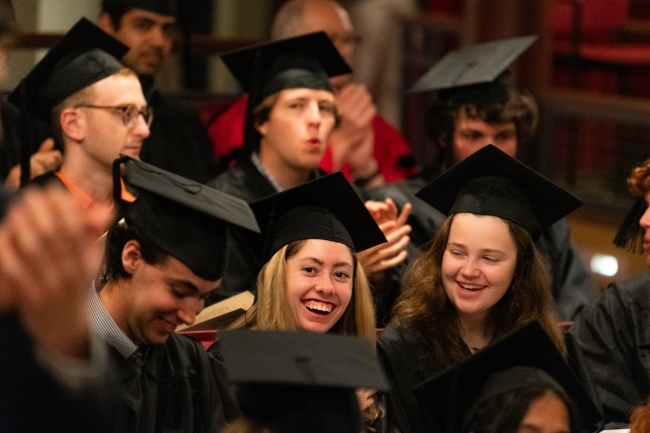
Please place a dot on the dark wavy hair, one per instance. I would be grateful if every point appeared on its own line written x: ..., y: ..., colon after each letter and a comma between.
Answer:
x: 520, y: 108
x: 424, y: 308
x: 117, y: 237
x: 505, y: 412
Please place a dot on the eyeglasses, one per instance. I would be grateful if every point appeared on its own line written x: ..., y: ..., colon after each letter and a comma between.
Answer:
x: 129, y: 113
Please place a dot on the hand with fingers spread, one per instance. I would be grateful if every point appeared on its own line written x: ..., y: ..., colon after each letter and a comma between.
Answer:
x: 46, y: 159
x: 393, y: 225
x: 384, y: 211
x: 48, y: 259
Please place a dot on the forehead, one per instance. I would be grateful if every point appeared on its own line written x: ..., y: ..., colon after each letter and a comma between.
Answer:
x: 305, y: 93
x: 325, y: 16
x: 324, y: 250
x: 173, y: 269
x: 138, y: 14
x: 117, y: 87
x: 483, y: 231
x: 464, y: 119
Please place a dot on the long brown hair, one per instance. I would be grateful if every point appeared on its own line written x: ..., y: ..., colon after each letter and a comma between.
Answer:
x: 425, y: 308
x: 271, y: 309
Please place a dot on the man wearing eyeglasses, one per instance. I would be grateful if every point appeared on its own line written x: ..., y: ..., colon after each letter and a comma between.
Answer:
x: 95, y: 107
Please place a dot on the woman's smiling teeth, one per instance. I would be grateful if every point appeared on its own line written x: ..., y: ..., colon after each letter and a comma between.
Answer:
x: 319, y: 307
x: 470, y: 286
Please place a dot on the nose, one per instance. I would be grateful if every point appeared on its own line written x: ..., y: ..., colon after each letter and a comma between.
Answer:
x: 324, y: 285
x: 188, y: 310
x: 470, y: 270
x: 314, y: 116
x: 141, y: 129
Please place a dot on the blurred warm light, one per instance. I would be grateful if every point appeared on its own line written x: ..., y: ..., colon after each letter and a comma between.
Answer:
x: 604, y: 264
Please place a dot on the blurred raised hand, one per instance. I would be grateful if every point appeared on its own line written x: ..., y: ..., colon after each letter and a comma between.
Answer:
x: 48, y: 259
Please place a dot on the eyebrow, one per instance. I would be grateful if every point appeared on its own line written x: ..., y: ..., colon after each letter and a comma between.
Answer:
x: 483, y: 250
x: 321, y: 263
x: 492, y: 251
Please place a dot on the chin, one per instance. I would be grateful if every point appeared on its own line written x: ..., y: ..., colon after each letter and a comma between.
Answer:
x: 316, y: 327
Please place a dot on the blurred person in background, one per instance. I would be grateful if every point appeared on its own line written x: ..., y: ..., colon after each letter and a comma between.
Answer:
x: 365, y: 146
x: 178, y: 141
x: 612, y: 331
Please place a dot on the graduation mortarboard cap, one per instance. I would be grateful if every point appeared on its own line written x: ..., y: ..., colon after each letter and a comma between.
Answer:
x: 490, y: 182
x: 162, y: 7
x: 474, y: 73
x: 305, y: 61
x: 185, y: 219
x: 325, y: 208
x: 301, y: 381
x: 84, y: 56
x: 451, y: 396
x: 301, y: 358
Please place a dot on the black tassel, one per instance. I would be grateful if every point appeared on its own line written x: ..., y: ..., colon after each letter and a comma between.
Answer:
x: 120, y: 206
x: 630, y: 233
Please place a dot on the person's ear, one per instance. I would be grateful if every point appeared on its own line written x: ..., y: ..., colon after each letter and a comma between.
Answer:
x: 263, y: 128
x: 73, y: 124
x: 105, y: 23
x: 131, y: 256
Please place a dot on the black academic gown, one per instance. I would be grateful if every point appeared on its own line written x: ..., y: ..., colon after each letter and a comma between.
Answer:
x: 177, y: 390
x: 10, y: 148
x: 33, y: 401
x: 408, y: 362
x: 613, y: 333
x: 178, y: 141
x: 247, y: 183
x: 573, y: 285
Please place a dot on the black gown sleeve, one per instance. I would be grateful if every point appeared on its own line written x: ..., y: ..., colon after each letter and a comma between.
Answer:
x: 613, y: 333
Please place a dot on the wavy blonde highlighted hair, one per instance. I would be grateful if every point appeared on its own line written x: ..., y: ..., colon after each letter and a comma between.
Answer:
x: 271, y: 310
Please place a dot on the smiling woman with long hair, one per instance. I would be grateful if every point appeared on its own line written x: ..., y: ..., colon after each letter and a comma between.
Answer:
x: 479, y: 279
x: 311, y: 279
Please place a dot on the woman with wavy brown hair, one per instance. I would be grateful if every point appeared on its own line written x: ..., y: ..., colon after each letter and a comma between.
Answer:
x: 480, y: 278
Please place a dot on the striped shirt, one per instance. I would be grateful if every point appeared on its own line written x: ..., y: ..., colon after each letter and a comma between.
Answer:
x: 103, y: 325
